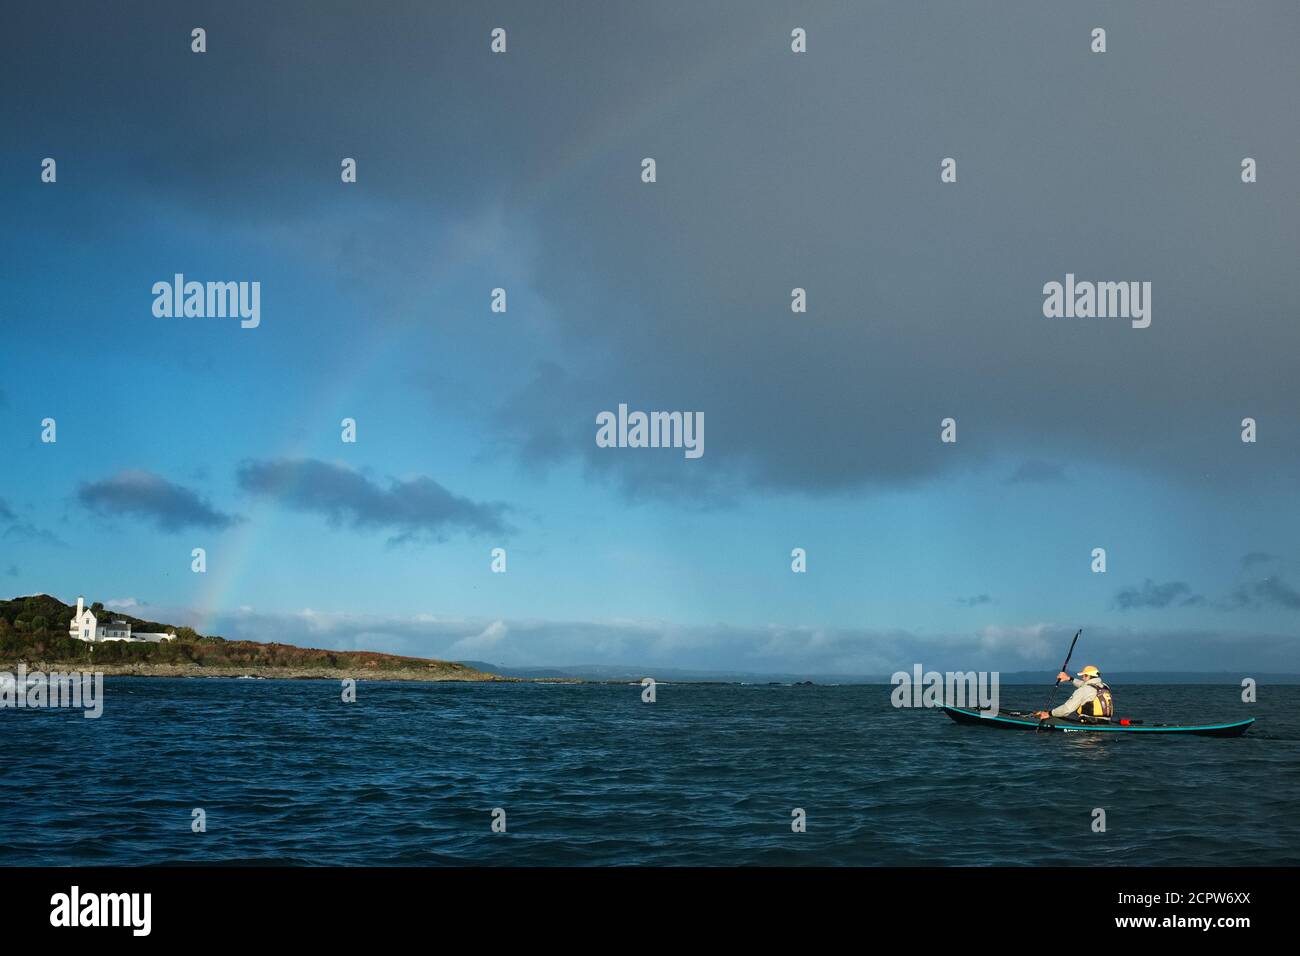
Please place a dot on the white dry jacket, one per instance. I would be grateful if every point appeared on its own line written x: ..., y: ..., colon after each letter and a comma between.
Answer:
x: 1084, y: 693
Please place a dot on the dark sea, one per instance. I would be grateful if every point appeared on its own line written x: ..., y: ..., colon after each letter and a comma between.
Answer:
x: 287, y: 773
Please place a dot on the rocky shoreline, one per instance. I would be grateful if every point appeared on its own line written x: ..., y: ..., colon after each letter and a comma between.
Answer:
x: 440, y: 671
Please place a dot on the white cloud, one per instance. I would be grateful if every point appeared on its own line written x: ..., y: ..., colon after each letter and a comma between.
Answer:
x: 487, y: 639
x: 771, y: 648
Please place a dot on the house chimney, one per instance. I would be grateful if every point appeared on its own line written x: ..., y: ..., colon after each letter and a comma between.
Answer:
x: 81, y: 603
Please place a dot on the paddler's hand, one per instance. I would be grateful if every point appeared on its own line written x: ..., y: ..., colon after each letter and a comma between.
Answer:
x: 1063, y: 676
x: 1042, y: 714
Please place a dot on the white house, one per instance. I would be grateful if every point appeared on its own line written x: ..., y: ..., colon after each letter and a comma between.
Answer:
x: 86, y: 627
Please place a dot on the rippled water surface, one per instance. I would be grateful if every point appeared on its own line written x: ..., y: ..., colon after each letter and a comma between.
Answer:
x: 588, y: 774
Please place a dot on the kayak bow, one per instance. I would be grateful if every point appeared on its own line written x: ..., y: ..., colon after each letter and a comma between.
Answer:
x: 1019, y: 720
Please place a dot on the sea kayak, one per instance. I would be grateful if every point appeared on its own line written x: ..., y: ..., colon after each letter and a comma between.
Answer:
x: 1019, y: 720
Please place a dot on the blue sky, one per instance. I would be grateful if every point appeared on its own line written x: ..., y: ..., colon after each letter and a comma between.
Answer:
x: 476, y: 430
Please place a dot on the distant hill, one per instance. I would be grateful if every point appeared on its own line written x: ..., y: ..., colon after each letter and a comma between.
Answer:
x: 34, y: 630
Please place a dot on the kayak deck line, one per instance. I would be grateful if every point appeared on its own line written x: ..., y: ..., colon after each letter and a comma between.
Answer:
x: 1015, y: 719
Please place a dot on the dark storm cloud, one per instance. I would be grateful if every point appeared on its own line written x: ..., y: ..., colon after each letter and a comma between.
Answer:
x: 1268, y: 592
x: 28, y: 532
x: 142, y: 494
x: 416, y: 508
x: 925, y: 300
x: 775, y: 171
x: 1276, y: 591
x: 411, y: 91
x: 1152, y: 595
x: 15, y: 529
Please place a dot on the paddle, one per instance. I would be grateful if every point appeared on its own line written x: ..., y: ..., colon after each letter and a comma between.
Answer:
x: 1068, y: 655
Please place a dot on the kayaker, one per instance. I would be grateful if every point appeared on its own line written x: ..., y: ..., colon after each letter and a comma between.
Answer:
x: 1091, y: 697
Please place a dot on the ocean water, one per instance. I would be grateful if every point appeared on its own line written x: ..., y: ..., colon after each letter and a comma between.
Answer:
x: 708, y: 774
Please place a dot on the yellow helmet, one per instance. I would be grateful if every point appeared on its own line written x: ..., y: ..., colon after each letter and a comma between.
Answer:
x: 1090, y: 671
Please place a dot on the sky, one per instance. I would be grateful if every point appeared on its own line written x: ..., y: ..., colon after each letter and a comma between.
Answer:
x: 774, y: 170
